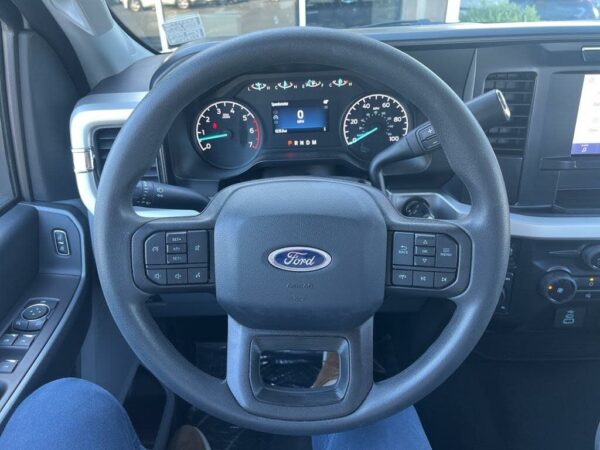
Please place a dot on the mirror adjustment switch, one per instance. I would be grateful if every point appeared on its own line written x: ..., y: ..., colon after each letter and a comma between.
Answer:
x: 155, y: 249
x: 20, y: 324
x: 36, y: 325
x: 36, y: 311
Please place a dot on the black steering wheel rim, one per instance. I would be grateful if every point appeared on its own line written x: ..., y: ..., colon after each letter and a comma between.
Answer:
x: 467, y: 150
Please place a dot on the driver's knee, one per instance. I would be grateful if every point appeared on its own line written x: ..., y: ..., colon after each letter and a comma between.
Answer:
x: 402, y: 431
x: 69, y: 413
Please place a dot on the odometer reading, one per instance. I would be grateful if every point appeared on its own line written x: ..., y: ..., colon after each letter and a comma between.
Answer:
x: 227, y: 134
x: 373, y: 123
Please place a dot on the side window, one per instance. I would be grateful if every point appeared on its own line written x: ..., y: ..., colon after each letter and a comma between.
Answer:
x: 7, y: 192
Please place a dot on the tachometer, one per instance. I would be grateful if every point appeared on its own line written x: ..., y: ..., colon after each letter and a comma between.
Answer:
x: 373, y: 123
x: 227, y: 134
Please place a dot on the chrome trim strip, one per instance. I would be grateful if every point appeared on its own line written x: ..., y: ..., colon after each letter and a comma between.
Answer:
x: 102, y: 111
x: 83, y: 161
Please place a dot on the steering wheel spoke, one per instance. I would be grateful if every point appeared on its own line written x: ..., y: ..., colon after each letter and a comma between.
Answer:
x: 300, y: 375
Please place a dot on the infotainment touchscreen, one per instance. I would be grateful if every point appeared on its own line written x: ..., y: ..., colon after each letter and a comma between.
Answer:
x: 586, y: 138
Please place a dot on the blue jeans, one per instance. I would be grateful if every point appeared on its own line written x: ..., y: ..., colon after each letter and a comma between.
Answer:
x: 72, y: 414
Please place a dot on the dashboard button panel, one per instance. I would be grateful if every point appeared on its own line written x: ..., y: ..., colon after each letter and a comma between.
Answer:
x: 177, y: 258
x: 423, y: 260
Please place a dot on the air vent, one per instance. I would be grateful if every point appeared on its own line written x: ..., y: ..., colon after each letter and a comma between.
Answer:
x: 103, y: 141
x: 517, y: 88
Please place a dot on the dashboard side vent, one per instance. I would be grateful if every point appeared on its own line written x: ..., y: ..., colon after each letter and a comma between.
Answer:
x: 517, y: 88
x: 103, y: 141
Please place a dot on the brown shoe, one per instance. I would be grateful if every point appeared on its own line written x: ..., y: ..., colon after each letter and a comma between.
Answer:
x: 189, y: 438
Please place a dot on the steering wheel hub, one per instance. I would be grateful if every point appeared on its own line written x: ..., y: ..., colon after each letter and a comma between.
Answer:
x: 338, y: 218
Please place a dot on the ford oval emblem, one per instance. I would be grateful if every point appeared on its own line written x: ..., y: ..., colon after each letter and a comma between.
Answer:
x: 299, y: 259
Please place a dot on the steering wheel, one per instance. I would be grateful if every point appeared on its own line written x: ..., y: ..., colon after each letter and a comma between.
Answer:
x: 345, y: 237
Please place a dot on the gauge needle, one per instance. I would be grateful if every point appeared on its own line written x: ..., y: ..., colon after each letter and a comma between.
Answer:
x: 210, y: 137
x: 361, y: 136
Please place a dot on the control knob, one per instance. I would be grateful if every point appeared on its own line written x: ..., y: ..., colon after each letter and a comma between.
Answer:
x: 558, y: 286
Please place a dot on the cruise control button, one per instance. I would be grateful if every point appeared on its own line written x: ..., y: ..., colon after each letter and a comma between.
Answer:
x: 423, y: 279
x: 198, y: 247
x: 427, y: 240
x: 446, y: 254
x: 443, y: 279
x: 176, y: 248
x: 157, y: 276
x: 177, y: 259
x: 402, y: 278
x: 425, y: 261
x: 155, y: 249
x: 36, y: 311
x: 176, y: 276
x: 403, y: 249
x: 198, y: 275
x: 177, y: 237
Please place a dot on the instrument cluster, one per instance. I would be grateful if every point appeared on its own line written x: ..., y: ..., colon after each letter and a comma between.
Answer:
x: 297, y: 116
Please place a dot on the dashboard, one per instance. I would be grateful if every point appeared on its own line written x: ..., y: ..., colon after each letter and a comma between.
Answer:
x: 281, y: 118
x: 320, y: 121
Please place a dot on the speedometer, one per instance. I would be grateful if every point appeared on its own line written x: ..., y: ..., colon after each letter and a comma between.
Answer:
x: 373, y: 123
x: 227, y: 134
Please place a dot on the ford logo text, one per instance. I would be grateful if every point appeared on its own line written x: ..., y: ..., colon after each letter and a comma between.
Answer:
x: 299, y: 259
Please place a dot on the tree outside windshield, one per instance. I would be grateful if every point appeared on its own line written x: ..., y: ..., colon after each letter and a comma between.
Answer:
x: 166, y: 24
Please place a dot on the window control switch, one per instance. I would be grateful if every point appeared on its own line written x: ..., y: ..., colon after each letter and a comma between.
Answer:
x: 8, y: 365
x: 8, y: 339
x: 24, y: 340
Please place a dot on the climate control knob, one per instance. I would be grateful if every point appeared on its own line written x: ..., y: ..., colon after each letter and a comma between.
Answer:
x: 591, y: 256
x: 558, y: 286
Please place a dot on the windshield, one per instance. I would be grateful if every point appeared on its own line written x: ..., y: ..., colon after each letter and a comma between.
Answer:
x: 166, y: 24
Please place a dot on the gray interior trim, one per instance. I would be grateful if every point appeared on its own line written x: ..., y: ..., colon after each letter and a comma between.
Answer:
x: 103, y: 110
x: 66, y: 317
x: 102, y: 46
x: 522, y: 225
x: 90, y: 114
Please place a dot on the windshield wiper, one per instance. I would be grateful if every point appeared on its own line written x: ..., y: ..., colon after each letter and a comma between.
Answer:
x: 397, y: 23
